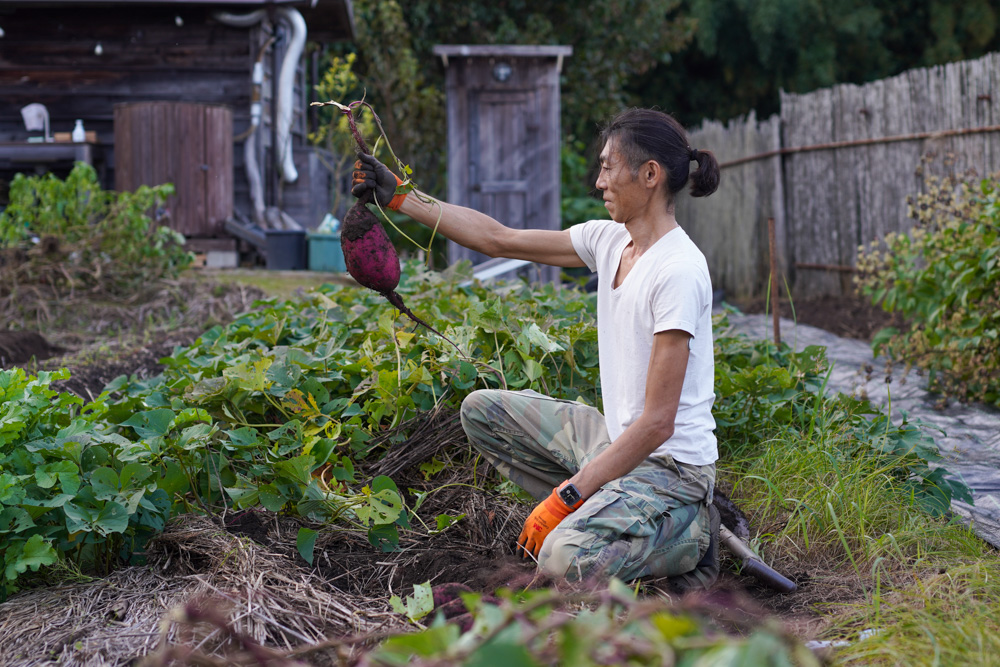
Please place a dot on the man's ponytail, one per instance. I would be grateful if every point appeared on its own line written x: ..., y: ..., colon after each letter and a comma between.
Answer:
x: 647, y: 134
x: 704, y: 179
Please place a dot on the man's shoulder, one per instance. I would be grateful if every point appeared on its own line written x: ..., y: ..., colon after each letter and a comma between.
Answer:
x: 597, y: 226
x: 598, y: 233
x: 681, y: 253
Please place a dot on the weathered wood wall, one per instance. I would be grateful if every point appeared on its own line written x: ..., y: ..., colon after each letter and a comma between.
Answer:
x: 832, y: 200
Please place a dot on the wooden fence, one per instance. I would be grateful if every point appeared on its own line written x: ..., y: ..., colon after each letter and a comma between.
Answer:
x: 834, y: 171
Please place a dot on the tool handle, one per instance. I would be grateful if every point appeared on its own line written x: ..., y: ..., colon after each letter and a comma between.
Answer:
x: 753, y: 565
x: 769, y: 576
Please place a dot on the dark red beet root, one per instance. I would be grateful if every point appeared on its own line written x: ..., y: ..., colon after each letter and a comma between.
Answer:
x: 369, y: 255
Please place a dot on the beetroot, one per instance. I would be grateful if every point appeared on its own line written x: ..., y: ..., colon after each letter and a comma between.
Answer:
x: 369, y: 255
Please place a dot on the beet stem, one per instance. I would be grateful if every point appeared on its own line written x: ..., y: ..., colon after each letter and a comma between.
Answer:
x: 397, y: 301
x: 354, y: 130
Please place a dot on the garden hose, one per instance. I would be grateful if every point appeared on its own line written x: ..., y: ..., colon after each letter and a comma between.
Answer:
x: 753, y: 565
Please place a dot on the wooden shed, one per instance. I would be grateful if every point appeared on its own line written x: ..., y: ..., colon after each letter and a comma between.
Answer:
x: 101, y: 61
x: 504, y: 135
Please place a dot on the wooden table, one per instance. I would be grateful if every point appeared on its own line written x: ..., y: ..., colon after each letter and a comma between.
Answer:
x: 16, y: 154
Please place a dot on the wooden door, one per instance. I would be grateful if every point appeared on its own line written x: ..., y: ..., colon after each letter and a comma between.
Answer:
x: 501, y: 135
x: 184, y: 143
x: 502, y: 162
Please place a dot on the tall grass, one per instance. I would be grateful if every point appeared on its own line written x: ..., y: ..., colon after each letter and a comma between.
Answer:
x: 812, y: 504
x: 857, y: 506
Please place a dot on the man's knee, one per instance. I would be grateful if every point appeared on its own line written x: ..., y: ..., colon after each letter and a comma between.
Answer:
x: 475, y: 413
x: 577, y: 555
x: 474, y: 406
x: 560, y: 552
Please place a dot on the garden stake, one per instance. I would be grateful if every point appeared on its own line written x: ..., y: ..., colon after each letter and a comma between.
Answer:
x: 774, y: 283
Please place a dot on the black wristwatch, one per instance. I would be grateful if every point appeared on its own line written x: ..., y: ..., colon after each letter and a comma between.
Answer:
x: 570, y: 495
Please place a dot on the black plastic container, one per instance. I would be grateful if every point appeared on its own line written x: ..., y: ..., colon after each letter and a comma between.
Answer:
x: 285, y: 249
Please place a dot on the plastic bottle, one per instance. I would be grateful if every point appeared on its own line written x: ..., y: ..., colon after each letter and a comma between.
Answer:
x: 79, y: 135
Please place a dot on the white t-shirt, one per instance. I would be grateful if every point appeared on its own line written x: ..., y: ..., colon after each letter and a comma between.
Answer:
x: 667, y: 288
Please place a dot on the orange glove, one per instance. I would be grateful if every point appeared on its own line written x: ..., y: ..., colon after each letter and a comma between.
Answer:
x: 542, y: 521
x: 372, y: 175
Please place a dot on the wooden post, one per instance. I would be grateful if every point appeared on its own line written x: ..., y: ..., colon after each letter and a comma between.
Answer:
x: 774, y: 281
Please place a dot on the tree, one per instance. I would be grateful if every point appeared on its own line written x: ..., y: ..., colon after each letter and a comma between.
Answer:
x: 613, y: 40
x: 746, y: 51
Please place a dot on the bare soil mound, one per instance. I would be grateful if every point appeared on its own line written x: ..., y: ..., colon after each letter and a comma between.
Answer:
x: 18, y: 347
x: 88, y: 378
x: 848, y: 316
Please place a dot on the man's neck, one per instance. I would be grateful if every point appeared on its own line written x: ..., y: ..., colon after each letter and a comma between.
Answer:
x: 647, y: 230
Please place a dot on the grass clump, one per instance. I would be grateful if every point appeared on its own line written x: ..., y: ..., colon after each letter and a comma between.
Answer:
x: 855, y: 507
x: 948, y: 616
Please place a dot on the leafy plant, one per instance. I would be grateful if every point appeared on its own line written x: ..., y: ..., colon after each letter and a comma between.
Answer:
x: 546, y: 627
x: 417, y: 605
x: 339, y: 83
x: 944, y: 278
x: 73, y: 235
x: 273, y: 410
x: 278, y: 408
x: 69, y: 483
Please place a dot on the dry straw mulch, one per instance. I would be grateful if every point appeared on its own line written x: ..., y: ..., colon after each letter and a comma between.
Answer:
x: 214, y: 587
x: 266, y: 595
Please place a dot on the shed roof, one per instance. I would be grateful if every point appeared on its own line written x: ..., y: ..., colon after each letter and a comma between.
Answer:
x: 328, y: 20
x: 503, y: 50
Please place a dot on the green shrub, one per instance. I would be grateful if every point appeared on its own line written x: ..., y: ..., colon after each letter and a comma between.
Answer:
x: 72, y: 235
x: 247, y: 414
x: 944, y: 278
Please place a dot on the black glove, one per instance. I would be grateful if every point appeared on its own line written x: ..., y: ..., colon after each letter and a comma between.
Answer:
x: 370, y: 175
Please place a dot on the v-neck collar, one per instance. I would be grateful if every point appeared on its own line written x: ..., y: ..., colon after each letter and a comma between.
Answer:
x: 621, y: 251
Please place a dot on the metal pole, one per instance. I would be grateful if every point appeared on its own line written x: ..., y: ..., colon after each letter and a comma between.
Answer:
x: 774, y: 281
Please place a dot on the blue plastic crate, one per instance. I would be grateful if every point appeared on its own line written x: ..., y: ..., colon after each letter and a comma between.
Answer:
x: 325, y: 253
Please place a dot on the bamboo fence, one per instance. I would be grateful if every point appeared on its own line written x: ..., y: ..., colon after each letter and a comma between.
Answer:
x: 834, y: 169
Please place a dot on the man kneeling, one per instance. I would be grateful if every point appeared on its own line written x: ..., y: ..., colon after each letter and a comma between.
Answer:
x: 627, y: 493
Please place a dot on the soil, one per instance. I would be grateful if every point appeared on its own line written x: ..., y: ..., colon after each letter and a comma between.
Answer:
x: 19, y: 347
x: 87, y: 380
x: 848, y: 316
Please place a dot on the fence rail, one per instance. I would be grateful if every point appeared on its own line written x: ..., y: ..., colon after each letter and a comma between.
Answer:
x: 835, y: 168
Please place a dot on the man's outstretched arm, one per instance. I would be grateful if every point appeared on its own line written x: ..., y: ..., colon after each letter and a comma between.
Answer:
x: 466, y: 226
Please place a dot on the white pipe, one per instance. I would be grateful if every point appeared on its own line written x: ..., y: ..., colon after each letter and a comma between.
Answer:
x: 253, y: 178
x: 250, y: 144
x: 240, y: 20
x: 250, y: 165
x: 286, y: 86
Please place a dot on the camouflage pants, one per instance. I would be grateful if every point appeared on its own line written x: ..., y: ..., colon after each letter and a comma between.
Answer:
x: 652, y: 521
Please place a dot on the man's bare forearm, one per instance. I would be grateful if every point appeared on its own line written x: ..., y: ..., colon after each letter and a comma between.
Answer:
x: 465, y: 226
x: 480, y: 232
x: 622, y: 456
